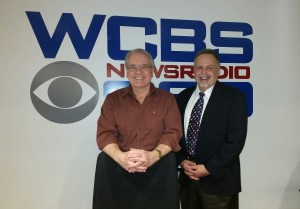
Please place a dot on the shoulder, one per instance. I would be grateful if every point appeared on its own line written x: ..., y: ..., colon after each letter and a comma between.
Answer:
x: 229, y: 93
x: 117, y: 95
x: 119, y: 92
x: 187, y: 92
x: 161, y: 93
x: 228, y: 89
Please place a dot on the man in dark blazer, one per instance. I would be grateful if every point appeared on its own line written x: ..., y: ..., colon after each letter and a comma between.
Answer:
x: 210, y: 176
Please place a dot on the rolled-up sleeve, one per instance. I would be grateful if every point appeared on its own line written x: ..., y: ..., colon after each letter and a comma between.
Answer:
x: 106, y: 129
x: 173, y: 128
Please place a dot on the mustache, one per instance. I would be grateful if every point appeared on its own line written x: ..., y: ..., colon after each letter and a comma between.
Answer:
x: 202, y: 76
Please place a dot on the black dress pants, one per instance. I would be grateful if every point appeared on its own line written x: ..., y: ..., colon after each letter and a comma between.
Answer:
x: 116, y: 188
x: 194, y: 198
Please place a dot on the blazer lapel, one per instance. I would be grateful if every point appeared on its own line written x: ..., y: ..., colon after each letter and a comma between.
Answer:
x: 187, y: 97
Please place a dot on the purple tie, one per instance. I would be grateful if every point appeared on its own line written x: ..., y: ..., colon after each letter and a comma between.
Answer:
x: 194, y: 125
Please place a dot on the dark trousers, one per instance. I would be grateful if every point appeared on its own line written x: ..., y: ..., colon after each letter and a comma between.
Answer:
x: 115, y: 188
x: 194, y: 198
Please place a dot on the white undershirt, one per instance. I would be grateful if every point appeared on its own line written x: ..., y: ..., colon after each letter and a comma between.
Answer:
x: 191, y: 104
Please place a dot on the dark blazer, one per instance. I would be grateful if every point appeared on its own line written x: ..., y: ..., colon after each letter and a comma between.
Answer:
x: 221, y: 139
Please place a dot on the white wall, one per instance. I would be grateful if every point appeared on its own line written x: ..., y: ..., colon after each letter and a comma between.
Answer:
x: 51, y: 165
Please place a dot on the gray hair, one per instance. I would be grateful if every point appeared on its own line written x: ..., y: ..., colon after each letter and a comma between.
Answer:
x: 142, y: 51
x: 208, y: 51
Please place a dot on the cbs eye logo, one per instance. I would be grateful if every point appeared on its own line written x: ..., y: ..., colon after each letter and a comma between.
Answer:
x: 64, y: 92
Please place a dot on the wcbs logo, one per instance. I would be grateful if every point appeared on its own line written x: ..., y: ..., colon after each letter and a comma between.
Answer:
x: 232, y: 37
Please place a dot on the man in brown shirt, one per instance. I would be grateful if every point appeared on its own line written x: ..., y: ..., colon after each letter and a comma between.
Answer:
x: 138, y: 132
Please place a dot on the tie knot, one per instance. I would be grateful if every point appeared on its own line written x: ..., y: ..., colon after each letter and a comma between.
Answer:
x: 201, y: 94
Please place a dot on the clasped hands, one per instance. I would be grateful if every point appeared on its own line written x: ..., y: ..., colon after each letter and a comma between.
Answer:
x: 137, y: 160
x: 194, y: 171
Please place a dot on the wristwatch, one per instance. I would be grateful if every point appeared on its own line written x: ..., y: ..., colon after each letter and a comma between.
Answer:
x: 159, y: 153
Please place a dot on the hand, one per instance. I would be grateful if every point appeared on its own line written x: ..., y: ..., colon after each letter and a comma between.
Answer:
x: 136, y: 160
x: 133, y: 160
x: 139, y: 160
x: 194, y: 171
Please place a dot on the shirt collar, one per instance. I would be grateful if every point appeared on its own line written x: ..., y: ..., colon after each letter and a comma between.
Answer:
x: 207, y: 92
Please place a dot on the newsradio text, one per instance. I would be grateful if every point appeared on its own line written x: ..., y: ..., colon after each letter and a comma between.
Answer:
x: 183, y: 71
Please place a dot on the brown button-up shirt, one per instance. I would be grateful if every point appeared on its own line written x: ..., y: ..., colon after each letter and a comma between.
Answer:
x: 129, y: 124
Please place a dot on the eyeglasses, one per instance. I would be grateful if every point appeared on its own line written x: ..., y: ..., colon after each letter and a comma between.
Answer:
x: 208, y: 68
x: 134, y: 68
